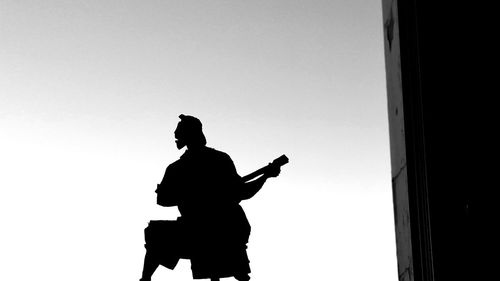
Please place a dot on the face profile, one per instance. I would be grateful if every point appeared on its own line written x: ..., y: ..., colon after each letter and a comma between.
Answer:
x: 189, y: 132
x: 180, y: 141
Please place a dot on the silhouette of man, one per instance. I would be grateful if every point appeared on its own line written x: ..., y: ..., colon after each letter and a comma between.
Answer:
x: 213, y: 230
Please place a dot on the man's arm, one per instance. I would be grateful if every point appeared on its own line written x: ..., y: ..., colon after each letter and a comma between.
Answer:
x: 252, y: 187
x: 166, y: 195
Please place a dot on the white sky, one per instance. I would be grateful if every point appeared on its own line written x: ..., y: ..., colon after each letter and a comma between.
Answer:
x: 90, y: 92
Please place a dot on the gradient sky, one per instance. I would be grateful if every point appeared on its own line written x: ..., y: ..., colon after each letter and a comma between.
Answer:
x: 90, y: 92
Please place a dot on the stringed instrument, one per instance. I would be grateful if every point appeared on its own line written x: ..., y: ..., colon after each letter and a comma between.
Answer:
x: 278, y: 162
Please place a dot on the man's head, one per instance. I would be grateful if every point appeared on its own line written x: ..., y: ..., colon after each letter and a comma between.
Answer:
x: 189, y: 132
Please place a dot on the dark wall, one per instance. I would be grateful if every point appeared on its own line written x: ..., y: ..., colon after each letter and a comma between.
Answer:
x: 442, y: 92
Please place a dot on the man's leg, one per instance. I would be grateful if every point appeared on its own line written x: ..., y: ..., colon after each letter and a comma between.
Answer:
x: 150, y: 265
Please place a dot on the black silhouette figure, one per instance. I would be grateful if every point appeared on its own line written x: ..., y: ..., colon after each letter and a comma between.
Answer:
x: 212, y: 230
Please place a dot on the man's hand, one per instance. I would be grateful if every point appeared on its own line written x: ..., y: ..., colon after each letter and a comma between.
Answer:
x: 272, y: 171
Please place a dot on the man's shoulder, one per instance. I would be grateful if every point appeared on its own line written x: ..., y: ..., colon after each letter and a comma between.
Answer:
x: 217, y: 153
x: 208, y: 153
x: 177, y: 163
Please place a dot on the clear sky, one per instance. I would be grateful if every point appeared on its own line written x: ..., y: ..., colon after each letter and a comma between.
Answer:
x: 90, y: 92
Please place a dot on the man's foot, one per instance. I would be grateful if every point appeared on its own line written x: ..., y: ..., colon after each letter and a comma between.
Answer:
x: 243, y: 277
